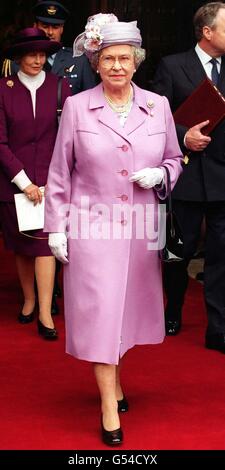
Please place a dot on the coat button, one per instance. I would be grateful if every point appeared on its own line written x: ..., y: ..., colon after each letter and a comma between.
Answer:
x: 123, y: 222
x: 124, y: 172
x: 123, y: 197
x: 124, y: 148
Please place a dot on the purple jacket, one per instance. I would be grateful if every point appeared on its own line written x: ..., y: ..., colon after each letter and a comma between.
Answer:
x: 27, y: 142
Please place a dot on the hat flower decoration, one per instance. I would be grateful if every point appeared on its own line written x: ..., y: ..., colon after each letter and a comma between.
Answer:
x: 91, y: 39
x: 94, y: 38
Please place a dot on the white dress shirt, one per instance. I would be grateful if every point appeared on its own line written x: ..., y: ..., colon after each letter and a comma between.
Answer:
x: 205, y: 60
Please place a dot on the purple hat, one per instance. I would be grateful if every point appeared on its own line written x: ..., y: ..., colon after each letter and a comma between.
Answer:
x: 103, y: 30
x: 31, y: 40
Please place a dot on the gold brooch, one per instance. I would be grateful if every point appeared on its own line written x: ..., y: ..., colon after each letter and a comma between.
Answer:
x: 151, y: 105
x: 10, y: 83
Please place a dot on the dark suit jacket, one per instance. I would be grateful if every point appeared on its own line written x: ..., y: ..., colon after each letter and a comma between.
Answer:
x: 27, y: 142
x: 77, y: 69
x: 203, y: 178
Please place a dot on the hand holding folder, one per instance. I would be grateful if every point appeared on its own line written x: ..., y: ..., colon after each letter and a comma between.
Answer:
x: 29, y: 216
x: 205, y: 103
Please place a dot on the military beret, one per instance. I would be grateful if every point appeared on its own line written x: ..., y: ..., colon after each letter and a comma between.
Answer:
x: 50, y: 12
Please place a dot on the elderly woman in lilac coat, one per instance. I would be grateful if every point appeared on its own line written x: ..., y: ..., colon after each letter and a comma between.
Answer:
x: 28, y: 127
x: 105, y: 180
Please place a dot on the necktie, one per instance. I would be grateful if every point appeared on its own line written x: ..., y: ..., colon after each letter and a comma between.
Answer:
x: 214, y: 72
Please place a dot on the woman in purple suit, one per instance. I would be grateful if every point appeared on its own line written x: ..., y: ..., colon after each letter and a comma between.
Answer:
x: 106, y: 173
x: 28, y: 127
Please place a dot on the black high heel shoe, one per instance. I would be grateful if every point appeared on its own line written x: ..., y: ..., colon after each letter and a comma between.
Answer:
x: 111, y: 438
x: 25, y: 318
x: 45, y: 332
x: 123, y: 405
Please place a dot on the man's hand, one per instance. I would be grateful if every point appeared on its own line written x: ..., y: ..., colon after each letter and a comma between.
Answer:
x: 195, y: 140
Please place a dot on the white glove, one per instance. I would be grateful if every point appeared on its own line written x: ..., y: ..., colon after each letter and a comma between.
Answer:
x: 148, y: 177
x: 58, y: 245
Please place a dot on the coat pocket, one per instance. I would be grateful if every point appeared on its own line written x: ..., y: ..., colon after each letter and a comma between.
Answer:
x: 153, y: 129
x: 87, y: 137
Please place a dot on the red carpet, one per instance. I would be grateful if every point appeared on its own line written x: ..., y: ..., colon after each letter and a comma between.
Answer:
x: 49, y: 400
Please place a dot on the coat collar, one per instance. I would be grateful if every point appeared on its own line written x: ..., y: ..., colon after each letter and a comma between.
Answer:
x: 109, y: 119
x: 193, y: 68
x: 195, y: 72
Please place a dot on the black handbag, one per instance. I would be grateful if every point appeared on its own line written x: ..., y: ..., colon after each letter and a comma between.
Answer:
x: 173, y: 250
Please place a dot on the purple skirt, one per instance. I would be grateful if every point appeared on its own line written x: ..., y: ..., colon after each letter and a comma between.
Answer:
x: 30, y: 243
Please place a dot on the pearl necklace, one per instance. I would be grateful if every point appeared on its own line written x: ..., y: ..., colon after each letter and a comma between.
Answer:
x: 120, y: 108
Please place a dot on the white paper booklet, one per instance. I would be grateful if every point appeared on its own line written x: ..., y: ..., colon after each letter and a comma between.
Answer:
x: 29, y: 217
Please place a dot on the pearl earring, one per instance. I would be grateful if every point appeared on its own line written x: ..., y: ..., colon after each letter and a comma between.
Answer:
x: 97, y: 71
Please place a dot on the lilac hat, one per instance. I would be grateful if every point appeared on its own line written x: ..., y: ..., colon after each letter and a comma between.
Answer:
x: 103, y: 30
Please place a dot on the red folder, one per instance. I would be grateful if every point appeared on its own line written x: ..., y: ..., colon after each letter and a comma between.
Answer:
x: 206, y: 102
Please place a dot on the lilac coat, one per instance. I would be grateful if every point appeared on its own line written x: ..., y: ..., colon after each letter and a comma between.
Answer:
x: 113, y: 287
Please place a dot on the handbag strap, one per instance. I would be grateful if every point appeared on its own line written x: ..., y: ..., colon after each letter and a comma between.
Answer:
x: 59, y: 97
x: 170, y: 206
x: 169, y: 189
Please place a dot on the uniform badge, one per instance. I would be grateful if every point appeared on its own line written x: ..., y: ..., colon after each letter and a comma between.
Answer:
x: 69, y: 69
x: 10, y: 83
x: 51, y: 10
x: 151, y: 105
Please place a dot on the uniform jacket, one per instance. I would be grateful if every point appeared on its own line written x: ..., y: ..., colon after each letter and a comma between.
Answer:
x: 77, y: 69
x: 113, y: 292
x: 27, y: 142
x: 203, y: 178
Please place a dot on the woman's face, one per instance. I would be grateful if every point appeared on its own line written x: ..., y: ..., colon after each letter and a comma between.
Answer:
x: 32, y: 63
x: 116, y: 66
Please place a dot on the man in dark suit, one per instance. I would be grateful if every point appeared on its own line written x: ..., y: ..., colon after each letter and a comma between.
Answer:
x: 50, y: 16
x: 200, y: 190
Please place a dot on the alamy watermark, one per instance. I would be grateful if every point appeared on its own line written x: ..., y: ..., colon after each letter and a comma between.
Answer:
x: 99, y: 221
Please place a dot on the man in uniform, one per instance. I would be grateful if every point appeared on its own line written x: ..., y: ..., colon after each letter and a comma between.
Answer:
x: 50, y: 16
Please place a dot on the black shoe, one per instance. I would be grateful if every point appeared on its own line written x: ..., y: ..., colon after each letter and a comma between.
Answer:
x: 123, y: 405
x: 54, y: 307
x: 172, y: 327
x: 216, y: 341
x: 112, y: 438
x: 25, y: 318
x: 45, y: 332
